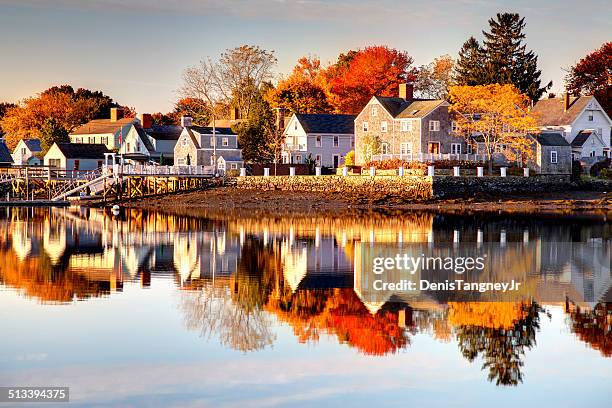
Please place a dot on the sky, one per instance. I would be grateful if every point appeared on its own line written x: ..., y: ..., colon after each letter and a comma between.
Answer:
x: 136, y: 50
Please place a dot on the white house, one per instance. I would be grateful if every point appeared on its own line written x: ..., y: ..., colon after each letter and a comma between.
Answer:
x: 582, y: 122
x: 325, y: 138
x: 76, y: 156
x: 27, y: 152
x: 110, y: 132
x: 196, y: 146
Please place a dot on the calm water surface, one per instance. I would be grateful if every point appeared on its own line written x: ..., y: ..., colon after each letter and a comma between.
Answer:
x: 147, y: 309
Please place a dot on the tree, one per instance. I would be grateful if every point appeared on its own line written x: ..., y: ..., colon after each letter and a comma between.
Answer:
x: 196, y: 109
x: 358, y: 75
x: 52, y: 132
x: 434, y: 79
x: 592, y: 75
x: 67, y: 107
x: 370, y: 145
x: 503, y: 58
x: 498, y: 115
x: 470, y: 64
x: 255, y: 132
x: 303, y: 91
x: 240, y: 66
x: 4, y: 107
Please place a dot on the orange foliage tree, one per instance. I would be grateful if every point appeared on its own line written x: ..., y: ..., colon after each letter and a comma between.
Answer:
x: 359, y: 75
x: 499, y: 115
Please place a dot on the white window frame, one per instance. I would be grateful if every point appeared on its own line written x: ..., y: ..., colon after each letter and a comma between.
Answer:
x: 591, y: 117
x: 318, y: 159
x: 319, y: 141
x: 234, y: 166
x: 298, y: 159
x: 336, y: 141
x: 225, y: 141
x: 384, y: 148
x: 365, y: 126
x: 406, y: 125
x: 469, y: 148
x: 454, y: 126
x: 384, y: 126
x: 554, y: 157
x: 434, y: 125
x: 406, y: 148
x: 455, y: 148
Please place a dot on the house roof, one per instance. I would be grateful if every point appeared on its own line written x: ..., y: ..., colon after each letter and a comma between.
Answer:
x: 33, y: 145
x: 327, y: 123
x: 83, y: 150
x: 170, y: 132
x: 231, y: 158
x: 551, y: 112
x: 207, y: 130
x: 194, y: 140
x: 145, y: 140
x: 5, y: 154
x: 581, y: 137
x: 101, y: 126
x: 551, y: 139
x: 415, y: 108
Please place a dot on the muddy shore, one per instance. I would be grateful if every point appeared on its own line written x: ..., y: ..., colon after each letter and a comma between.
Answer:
x: 230, y: 200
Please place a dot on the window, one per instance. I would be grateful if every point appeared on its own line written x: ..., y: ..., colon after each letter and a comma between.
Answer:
x: 406, y: 125
x: 500, y: 148
x: 234, y: 166
x: 336, y: 141
x: 318, y: 141
x: 383, y: 126
x: 455, y: 148
x: 185, y: 141
x: 365, y: 126
x: 128, y: 147
x: 406, y: 148
x: 298, y: 159
x: 469, y: 148
x: 23, y: 151
x: 318, y: 159
x: 553, y: 157
x: 212, y: 141
x: 384, y: 148
x: 225, y: 141
x: 295, y: 125
x: 104, y: 139
x: 352, y: 142
x: 454, y: 126
x: 77, y: 164
x: 137, y: 146
x: 590, y: 116
x: 54, y: 162
x: 99, y: 163
x: 434, y: 125
x: 374, y: 111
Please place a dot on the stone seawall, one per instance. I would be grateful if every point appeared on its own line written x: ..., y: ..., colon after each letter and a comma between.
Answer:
x: 408, y: 188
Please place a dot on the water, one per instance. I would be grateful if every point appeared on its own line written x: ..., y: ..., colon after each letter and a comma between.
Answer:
x: 147, y: 309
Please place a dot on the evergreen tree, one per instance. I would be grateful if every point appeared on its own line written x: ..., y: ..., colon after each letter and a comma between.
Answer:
x: 503, y: 58
x: 470, y: 63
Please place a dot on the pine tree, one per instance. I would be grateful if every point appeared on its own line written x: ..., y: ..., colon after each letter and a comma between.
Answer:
x: 470, y: 63
x: 507, y: 58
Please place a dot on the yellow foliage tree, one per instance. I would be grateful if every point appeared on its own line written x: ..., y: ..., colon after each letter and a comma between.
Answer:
x: 499, y: 115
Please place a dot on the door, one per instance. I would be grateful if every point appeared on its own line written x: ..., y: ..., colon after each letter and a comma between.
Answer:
x: 336, y: 161
x: 433, y: 147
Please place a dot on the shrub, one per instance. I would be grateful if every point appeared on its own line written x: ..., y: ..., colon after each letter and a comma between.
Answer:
x: 597, y: 167
x: 606, y: 174
x: 349, y: 159
x: 440, y: 164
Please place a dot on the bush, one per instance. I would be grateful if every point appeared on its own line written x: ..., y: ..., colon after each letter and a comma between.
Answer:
x: 440, y: 164
x: 349, y: 159
x: 606, y: 174
x: 232, y: 173
x: 599, y: 166
x: 576, y: 170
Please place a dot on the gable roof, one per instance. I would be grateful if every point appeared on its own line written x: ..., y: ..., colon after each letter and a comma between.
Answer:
x: 145, y: 139
x: 581, y: 137
x: 326, y: 123
x: 83, y: 150
x: 414, y: 108
x: 33, y: 145
x: 5, y: 154
x: 207, y: 130
x: 101, y: 126
x: 169, y: 132
x: 551, y: 139
x: 194, y: 140
x: 551, y: 112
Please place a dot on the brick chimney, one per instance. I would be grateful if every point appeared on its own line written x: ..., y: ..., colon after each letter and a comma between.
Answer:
x: 146, y: 120
x: 186, y: 121
x: 116, y: 114
x: 406, y: 91
x: 566, y: 101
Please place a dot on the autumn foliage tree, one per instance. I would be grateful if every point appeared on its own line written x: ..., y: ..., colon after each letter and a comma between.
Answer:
x: 592, y: 75
x: 68, y: 109
x: 357, y: 76
x: 434, y: 79
x: 498, y: 115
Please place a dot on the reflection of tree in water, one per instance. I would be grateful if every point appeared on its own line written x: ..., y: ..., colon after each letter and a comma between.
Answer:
x: 503, y: 347
x: 232, y: 308
x: 593, y: 326
x: 341, y: 313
